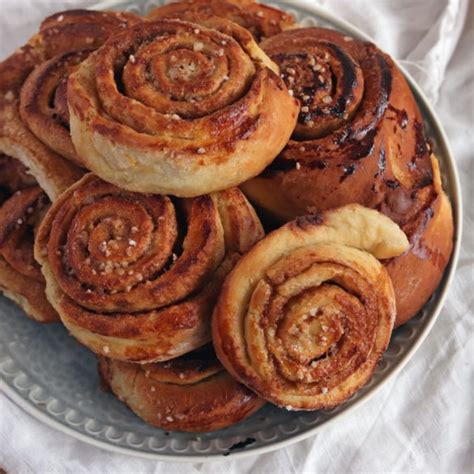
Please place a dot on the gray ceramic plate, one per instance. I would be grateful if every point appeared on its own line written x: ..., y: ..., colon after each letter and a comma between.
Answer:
x: 53, y: 378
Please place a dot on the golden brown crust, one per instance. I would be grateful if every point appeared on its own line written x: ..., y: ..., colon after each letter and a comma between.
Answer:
x: 191, y: 393
x: 43, y: 103
x: 359, y: 135
x: 416, y: 274
x: 19, y: 215
x: 23, y: 155
x: 359, y: 138
x: 21, y: 207
x: 28, y: 294
x: 134, y: 276
x: 96, y: 25
x: 15, y: 139
x: 178, y: 108
x: 261, y: 20
x: 305, y: 315
x: 61, y: 33
x: 53, y: 173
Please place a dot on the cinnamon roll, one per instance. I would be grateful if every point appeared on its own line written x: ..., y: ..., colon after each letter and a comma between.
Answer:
x: 27, y: 161
x: 39, y: 138
x: 191, y: 393
x: 261, y: 20
x: 359, y: 139
x: 305, y: 315
x: 22, y: 204
x: 178, y: 108
x: 43, y: 104
x: 135, y: 276
x: 416, y: 274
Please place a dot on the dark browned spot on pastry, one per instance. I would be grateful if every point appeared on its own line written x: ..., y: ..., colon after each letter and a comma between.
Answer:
x: 306, y: 222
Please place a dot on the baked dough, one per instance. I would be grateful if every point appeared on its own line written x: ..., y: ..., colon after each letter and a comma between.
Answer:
x: 261, y: 20
x: 359, y: 139
x: 26, y: 161
x: 22, y: 204
x: 178, y: 108
x: 191, y: 393
x: 305, y: 315
x: 61, y: 33
x: 135, y: 277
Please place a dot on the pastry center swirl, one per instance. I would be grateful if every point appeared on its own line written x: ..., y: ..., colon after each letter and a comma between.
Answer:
x: 188, y: 74
x: 327, y: 81
x: 316, y: 319
x: 116, y: 251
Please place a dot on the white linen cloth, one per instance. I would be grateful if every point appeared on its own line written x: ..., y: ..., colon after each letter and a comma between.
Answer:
x: 423, y: 420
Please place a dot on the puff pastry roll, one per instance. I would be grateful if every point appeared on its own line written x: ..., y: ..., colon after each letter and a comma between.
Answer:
x: 178, y: 108
x: 306, y: 314
x: 359, y: 139
x: 191, y: 393
x: 134, y: 276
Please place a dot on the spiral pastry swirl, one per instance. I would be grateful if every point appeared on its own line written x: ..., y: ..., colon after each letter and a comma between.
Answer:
x: 43, y: 105
x: 17, y: 217
x: 359, y: 139
x: 306, y: 314
x: 27, y: 161
x: 359, y: 134
x: 64, y: 31
x: 34, y: 122
x: 191, y: 393
x: 20, y: 276
x: 177, y: 108
x: 134, y: 276
x: 261, y: 20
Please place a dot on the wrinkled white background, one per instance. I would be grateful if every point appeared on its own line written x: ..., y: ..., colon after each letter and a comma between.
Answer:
x: 423, y: 421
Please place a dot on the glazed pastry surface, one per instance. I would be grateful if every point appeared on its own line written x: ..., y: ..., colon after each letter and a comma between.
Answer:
x: 306, y: 314
x: 135, y: 276
x: 191, y: 393
x: 359, y: 139
x: 178, y: 108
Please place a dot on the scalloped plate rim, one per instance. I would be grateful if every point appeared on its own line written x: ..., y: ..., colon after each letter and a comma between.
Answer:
x: 456, y: 200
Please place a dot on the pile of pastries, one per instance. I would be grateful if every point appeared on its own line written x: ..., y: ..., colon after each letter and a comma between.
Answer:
x: 228, y: 209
